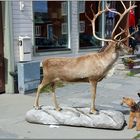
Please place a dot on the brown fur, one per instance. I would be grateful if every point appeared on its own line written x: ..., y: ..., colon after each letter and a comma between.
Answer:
x: 134, y: 112
x: 91, y: 68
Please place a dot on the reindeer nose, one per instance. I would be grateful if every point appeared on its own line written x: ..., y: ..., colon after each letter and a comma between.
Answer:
x: 123, y: 97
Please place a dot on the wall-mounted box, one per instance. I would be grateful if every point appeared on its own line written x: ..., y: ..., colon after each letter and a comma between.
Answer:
x: 28, y: 76
x: 25, y: 46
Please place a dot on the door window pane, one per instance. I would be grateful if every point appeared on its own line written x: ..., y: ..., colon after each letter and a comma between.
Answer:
x: 50, y: 25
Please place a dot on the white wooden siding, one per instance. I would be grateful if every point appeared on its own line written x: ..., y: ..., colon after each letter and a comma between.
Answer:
x: 22, y: 23
x: 74, y: 26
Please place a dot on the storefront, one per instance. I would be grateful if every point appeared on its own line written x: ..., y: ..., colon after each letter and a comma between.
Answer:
x: 55, y: 28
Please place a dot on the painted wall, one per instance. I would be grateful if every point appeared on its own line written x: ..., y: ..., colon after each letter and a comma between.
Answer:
x: 22, y: 23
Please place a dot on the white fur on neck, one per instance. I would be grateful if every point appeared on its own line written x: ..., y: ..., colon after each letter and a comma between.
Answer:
x: 110, y: 72
x: 114, y: 55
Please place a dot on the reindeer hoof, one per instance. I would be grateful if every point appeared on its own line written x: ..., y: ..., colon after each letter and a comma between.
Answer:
x: 95, y: 112
x: 37, y: 107
x: 58, y: 109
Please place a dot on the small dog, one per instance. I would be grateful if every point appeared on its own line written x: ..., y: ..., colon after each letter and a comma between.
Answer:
x: 134, y: 111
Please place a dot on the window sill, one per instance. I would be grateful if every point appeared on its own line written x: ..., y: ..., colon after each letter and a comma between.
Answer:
x: 55, y: 51
x: 89, y: 49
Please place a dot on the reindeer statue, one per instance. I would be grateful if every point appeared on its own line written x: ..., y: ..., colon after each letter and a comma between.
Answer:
x: 91, y: 67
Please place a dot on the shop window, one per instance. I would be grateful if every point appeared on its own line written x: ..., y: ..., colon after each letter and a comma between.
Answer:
x: 50, y: 25
x: 86, y: 39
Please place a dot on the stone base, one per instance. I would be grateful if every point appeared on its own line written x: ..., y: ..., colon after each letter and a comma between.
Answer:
x: 76, y: 117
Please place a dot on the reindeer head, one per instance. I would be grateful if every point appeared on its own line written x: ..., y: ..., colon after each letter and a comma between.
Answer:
x: 123, y: 48
x: 121, y: 43
x: 116, y: 40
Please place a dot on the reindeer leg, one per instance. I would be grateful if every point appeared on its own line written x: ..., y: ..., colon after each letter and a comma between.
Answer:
x: 54, y: 97
x: 93, y: 97
x: 43, y: 83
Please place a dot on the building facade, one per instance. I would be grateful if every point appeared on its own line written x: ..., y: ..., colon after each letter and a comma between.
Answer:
x: 55, y: 28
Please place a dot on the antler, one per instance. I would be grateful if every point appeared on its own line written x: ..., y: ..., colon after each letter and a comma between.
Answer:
x: 121, y: 15
x: 122, y: 32
x: 130, y: 35
x: 126, y: 10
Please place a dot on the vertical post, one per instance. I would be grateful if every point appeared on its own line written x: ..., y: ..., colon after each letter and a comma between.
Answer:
x: 103, y: 24
x: 74, y: 27
x: 69, y: 24
x: 8, y: 47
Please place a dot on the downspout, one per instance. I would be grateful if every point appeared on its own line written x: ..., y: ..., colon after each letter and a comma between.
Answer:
x: 8, y: 48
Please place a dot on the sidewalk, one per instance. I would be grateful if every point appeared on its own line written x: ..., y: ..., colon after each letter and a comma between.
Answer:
x: 109, y: 94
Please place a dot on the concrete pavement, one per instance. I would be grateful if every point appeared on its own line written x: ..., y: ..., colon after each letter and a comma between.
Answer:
x: 13, y: 108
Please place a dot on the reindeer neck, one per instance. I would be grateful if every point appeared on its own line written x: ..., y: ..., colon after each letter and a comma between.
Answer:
x: 109, y: 55
x: 111, y: 51
x: 110, y: 48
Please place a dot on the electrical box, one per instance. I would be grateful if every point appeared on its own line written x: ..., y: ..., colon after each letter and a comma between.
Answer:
x: 25, y: 46
x: 28, y: 76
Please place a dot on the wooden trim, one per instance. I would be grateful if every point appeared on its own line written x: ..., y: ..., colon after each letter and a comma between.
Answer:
x: 2, y: 70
